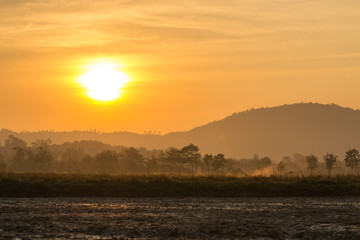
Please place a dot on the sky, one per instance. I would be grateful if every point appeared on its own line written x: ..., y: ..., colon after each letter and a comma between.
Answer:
x: 188, y: 62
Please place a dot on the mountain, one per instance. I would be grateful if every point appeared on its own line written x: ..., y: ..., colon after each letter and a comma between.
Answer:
x: 305, y: 128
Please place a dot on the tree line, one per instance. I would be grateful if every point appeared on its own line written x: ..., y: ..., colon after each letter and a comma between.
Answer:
x: 43, y: 156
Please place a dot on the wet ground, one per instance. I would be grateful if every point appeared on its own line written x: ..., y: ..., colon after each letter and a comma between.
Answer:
x: 190, y: 218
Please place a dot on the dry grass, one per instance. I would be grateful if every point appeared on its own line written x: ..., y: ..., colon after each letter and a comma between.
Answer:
x: 80, y: 185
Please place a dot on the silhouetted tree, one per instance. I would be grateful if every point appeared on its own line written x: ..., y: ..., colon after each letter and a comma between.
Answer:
x: 107, y: 161
x: 18, y: 161
x: 12, y: 142
x: 312, y: 162
x: 330, y: 161
x: 132, y: 159
x: 173, y: 156
x: 208, y: 161
x: 352, y: 158
x: 219, y: 163
x: 41, y: 155
x: 190, y: 154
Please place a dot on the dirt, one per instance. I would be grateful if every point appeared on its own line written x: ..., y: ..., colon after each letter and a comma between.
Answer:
x: 190, y: 218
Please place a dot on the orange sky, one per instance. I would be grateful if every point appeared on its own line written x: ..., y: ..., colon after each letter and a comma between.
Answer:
x: 190, y: 62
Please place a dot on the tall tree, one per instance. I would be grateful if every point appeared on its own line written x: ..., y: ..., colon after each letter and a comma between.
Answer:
x: 219, y: 163
x: 352, y: 158
x: 208, y: 161
x: 41, y: 155
x: 12, y: 142
x: 18, y: 162
x: 330, y: 161
x: 190, y: 154
x: 173, y: 157
x: 312, y: 162
x: 132, y: 158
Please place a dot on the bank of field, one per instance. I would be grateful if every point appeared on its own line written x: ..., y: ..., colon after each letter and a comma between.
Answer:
x: 78, y: 185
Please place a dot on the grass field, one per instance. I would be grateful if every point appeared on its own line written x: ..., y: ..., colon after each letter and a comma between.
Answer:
x: 78, y: 185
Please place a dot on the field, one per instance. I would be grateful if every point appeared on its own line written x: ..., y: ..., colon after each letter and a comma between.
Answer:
x: 179, y: 218
x: 67, y: 206
x: 77, y: 185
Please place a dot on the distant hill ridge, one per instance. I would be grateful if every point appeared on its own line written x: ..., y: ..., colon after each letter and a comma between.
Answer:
x: 275, y: 131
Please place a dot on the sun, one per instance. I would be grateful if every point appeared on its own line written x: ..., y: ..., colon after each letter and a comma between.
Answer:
x: 103, y: 81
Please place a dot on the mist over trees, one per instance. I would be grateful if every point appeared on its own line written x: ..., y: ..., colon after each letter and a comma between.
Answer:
x: 352, y: 158
x: 312, y: 163
x: 330, y: 161
x: 307, y: 128
x: 94, y: 157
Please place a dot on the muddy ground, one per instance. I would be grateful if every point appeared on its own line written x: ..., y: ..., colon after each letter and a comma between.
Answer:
x: 190, y: 218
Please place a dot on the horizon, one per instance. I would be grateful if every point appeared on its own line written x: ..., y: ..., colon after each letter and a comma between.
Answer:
x: 278, y: 131
x: 158, y: 133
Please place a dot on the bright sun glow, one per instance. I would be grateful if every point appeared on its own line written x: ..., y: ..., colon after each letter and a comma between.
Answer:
x: 104, y: 81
